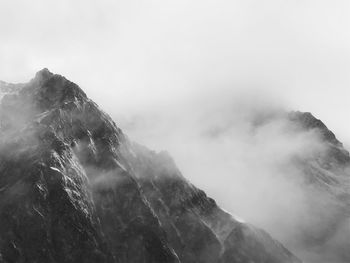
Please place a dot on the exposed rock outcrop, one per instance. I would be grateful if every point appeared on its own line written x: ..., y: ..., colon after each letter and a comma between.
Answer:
x: 74, y: 188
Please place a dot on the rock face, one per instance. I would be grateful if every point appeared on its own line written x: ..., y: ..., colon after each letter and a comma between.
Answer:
x: 326, y: 176
x: 74, y: 188
x: 320, y: 230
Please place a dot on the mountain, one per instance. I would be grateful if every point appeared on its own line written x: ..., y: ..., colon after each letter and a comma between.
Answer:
x: 74, y: 188
x: 319, y: 171
x: 326, y: 180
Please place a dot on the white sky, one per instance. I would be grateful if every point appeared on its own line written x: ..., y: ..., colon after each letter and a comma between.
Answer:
x: 130, y: 55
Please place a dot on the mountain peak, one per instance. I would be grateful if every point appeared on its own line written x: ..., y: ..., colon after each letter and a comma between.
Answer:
x: 309, y: 121
x: 43, y: 74
x: 51, y: 90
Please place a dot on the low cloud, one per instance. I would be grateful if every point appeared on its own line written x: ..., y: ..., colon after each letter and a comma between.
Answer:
x: 244, y: 152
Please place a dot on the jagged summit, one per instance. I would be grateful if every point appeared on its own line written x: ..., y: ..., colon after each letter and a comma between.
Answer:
x: 43, y: 74
x: 337, y: 154
x: 40, y: 76
x: 309, y: 121
x: 48, y: 90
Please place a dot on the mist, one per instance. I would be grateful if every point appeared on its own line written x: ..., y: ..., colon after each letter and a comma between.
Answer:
x: 130, y: 55
x: 207, y: 81
x: 241, y: 149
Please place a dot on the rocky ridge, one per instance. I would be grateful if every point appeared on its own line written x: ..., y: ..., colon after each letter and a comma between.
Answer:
x: 74, y: 188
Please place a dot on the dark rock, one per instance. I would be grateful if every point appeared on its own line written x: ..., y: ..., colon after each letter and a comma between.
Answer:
x: 73, y: 188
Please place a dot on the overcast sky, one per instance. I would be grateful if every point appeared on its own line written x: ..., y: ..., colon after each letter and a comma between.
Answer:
x: 136, y: 54
x: 141, y: 53
x: 174, y: 74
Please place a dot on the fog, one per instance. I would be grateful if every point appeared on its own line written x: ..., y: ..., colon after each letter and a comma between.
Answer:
x: 241, y: 149
x: 196, y: 78
x: 130, y: 55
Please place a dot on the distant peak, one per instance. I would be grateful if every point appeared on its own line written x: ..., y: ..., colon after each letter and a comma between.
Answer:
x: 309, y: 121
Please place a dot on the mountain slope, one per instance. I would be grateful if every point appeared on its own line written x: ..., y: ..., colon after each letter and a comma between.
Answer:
x: 73, y: 188
x: 314, y: 168
x: 326, y: 176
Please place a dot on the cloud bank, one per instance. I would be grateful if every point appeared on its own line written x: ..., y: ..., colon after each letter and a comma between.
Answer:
x: 243, y: 151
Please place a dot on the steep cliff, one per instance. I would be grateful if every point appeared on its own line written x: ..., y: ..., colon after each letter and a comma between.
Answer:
x: 74, y: 188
